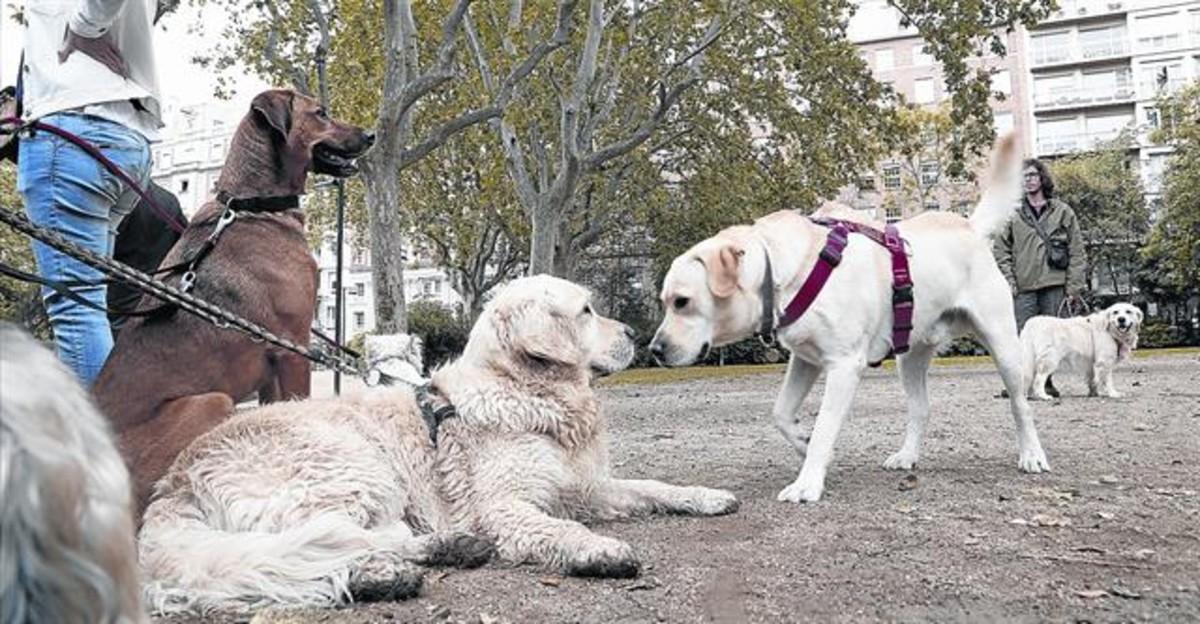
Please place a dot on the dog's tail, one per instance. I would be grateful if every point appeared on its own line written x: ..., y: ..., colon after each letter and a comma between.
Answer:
x: 1003, y: 193
x: 191, y: 567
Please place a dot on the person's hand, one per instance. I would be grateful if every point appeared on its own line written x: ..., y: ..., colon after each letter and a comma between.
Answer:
x: 100, y: 48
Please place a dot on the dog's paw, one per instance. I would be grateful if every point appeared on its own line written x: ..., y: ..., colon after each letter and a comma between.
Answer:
x: 1113, y: 394
x: 385, y: 581
x: 459, y: 550
x: 799, y: 492
x: 1041, y: 396
x: 1034, y: 461
x: 900, y: 461
x: 712, y: 502
x: 606, y: 557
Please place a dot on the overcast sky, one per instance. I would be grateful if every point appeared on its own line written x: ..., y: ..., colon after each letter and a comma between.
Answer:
x: 181, y: 81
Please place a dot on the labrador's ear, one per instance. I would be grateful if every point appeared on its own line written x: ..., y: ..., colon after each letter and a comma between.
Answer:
x: 275, y: 109
x: 1140, y: 316
x: 540, y: 335
x: 721, y: 265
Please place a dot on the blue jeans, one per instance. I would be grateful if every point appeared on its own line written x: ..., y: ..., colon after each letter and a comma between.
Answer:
x: 68, y: 191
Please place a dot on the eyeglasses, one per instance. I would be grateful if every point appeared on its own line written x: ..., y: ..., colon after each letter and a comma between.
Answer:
x: 1032, y: 174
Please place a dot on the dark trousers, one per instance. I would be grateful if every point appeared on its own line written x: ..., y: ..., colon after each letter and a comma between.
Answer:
x: 1041, y: 302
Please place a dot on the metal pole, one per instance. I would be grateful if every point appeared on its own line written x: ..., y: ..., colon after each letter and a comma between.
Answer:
x: 338, y: 294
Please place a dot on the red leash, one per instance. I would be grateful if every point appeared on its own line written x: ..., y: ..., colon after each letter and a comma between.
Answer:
x: 95, y: 153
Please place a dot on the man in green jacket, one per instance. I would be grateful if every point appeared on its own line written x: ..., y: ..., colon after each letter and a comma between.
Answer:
x: 1031, y: 250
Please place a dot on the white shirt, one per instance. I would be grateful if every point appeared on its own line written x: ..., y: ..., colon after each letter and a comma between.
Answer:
x: 82, y: 84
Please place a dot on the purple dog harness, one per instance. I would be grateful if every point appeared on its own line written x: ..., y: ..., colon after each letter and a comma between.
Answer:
x: 830, y: 257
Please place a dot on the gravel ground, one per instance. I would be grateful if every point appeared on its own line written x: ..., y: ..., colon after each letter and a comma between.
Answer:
x: 1112, y: 534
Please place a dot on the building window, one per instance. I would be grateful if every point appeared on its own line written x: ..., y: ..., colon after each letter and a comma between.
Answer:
x: 360, y: 257
x: 891, y: 177
x: 1051, y: 47
x: 1162, y: 77
x: 1056, y: 136
x: 1102, y: 42
x: 921, y: 56
x: 891, y: 213
x: 1158, y: 32
x: 1002, y: 82
x: 929, y: 173
x: 360, y: 320
x: 962, y: 207
x: 1106, y: 127
x: 931, y: 206
x: 923, y: 91
x: 360, y: 289
x: 1054, y: 90
x: 1152, y: 119
x: 1003, y: 123
x: 866, y: 182
x: 183, y: 186
x: 329, y: 315
x: 884, y: 60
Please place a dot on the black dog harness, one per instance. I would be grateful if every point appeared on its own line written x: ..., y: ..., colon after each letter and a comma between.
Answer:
x: 435, y: 409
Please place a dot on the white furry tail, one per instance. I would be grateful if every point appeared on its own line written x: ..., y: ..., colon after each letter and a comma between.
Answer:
x: 1003, y: 193
x: 196, y: 568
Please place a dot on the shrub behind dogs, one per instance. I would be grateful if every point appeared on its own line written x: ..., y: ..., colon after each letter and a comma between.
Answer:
x: 67, y: 554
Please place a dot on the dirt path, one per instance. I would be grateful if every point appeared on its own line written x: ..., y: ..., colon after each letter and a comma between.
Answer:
x: 1113, y: 533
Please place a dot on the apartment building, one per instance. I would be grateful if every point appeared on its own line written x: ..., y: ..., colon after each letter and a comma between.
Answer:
x: 897, y: 187
x: 189, y: 158
x: 422, y: 283
x: 1096, y: 68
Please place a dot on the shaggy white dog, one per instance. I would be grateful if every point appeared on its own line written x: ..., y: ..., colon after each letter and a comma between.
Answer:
x: 317, y: 501
x: 713, y: 295
x: 66, y: 532
x: 1092, y: 345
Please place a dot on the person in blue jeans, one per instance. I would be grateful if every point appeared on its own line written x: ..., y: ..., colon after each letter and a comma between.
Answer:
x: 88, y: 69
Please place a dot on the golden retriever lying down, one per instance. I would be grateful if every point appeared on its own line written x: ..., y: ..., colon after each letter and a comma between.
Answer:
x: 317, y: 502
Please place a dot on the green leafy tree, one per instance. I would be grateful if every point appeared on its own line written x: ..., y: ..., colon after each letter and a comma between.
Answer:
x: 19, y: 302
x: 1106, y: 194
x: 1173, y: 249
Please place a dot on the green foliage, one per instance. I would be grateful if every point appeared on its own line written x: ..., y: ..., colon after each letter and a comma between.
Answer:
x: 1158, y: 334
x: 19, y: 302
x: 1173, y: 250
x: 954, y: 32
x: 444, y: 335
x: 1106, y: 193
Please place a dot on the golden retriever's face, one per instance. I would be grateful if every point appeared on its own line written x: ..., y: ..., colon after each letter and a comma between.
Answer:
x: 707, y: 301
x: 543, y: 323
x: 1123, y: 320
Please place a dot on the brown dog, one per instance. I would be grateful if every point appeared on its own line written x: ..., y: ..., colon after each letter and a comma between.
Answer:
x: 171, y: 378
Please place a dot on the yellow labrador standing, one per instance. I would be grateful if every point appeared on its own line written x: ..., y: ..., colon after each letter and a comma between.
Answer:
x: 318, y: 501
x: 712, y: 296
x: 1092, y: 345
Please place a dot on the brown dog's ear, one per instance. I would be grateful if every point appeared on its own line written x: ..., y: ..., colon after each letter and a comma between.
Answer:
x: 722, y: 268
x: 543, y: 336
x: 275, y: 108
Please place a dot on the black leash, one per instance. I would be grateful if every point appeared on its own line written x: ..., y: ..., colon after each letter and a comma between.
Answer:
x: 213, y: 314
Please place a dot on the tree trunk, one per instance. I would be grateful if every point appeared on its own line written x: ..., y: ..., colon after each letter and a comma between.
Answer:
x: 543, y: 239
x: 387, y: 245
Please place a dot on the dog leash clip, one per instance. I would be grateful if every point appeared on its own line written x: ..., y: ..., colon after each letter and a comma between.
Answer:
x: 227, y: 217
x: 187, y: 281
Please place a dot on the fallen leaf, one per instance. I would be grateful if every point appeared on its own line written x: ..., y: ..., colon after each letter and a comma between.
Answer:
x: 439, y: 576
x: 646, y: 583
x: 1091, y: 593
x: 484, y: 618
x: 1141, y: 427
x: 903, y: 507
x: 1091, y: 549
x: 970, y: 541
x: 1020, y: 521
x: 909, y: 482
x: 1126, y: 593
x: 1051, y: 520
x: 1108, y: 479
x: 1143, y: 554
x: 1104, y: 515
x: 550, y: 580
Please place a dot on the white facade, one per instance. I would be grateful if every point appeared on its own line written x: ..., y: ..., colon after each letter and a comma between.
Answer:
x: 189, y: 158
x: 1096, y: 68
x: 358, y: 311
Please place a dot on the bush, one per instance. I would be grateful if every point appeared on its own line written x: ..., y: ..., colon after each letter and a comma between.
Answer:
x: 444, y: 334
x: 963, y: 345
x: 1156, y: 334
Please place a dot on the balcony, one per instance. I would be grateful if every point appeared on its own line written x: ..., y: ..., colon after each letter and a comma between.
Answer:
x: 1067, y: 143
x: 1153, y: 88
x: 1115, y: 46
x: 1086, y: 9
x: 1080, y: 98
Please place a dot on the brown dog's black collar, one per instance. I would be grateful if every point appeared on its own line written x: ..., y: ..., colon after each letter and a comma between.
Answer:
x: 258, y: 204
x: 435, y: 408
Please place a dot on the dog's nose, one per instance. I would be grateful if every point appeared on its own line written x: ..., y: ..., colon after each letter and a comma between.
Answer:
x: 369, y: 138
x: 656, y: 349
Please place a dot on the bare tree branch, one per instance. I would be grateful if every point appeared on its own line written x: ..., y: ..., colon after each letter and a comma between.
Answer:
x: 298, y: 77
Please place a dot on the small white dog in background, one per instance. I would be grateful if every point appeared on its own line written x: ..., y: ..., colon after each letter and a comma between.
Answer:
x: 1092, y: 345
x: 67, y: 553
x: 393, y: 358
